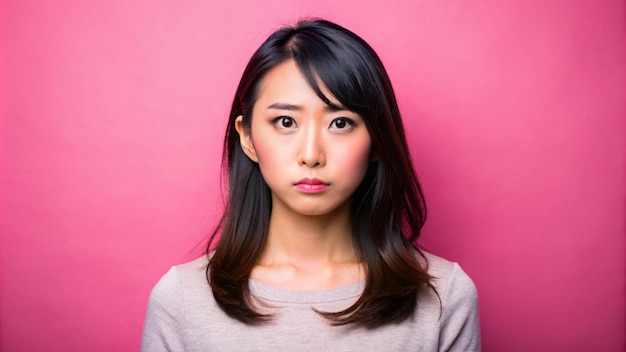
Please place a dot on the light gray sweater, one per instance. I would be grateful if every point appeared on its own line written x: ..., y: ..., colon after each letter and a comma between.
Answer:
x: 183, y: 316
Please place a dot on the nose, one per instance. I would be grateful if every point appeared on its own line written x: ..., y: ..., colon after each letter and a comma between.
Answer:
x: 311, y: 153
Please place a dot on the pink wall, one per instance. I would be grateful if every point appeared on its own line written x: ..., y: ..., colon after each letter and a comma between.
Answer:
x: 113, y: 113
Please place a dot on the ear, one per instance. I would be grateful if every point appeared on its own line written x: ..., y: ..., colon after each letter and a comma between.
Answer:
x: 245, y: 140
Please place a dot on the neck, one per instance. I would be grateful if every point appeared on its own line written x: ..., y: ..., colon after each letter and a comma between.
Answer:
x: 309, y: 242
x: 309, y: 252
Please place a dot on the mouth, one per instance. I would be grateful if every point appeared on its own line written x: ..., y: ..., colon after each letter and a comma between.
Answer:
x: 311, y: 185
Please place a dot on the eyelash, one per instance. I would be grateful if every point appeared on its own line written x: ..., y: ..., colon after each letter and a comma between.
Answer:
x: 348, y: 123
x: 280, y: 120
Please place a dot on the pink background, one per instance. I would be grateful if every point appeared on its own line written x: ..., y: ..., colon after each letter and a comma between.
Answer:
x: 113, y: 114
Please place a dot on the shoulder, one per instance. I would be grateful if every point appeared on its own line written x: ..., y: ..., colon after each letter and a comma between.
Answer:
x: 173, y: 287
x: 187, y: 279
x: 192, y: 269
x: 181, y: 276
x: 167, y: 317
x: 449, y: 277
x: 459, y: 319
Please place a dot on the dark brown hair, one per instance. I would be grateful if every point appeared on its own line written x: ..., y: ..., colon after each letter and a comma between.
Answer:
x: 388, y: 208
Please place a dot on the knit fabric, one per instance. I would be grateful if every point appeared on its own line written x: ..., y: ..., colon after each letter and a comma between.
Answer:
x: 182, y: 315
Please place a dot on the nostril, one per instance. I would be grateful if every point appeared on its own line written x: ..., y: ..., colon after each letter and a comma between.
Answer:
x: 310, y: 164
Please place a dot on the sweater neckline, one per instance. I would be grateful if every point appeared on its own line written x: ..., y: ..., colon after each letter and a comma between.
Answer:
x: 275, y: 294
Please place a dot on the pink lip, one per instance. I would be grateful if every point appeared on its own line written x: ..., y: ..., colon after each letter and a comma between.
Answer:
x: 311, y: 185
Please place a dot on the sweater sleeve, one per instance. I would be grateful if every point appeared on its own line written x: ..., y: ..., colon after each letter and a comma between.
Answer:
x: 164, y: 327
x: 460, y: 330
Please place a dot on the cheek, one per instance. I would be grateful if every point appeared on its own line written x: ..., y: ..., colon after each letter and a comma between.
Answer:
x: 269, y: 157
x: 268, y: 148
x: 261, y: 143
x: 357, y: 153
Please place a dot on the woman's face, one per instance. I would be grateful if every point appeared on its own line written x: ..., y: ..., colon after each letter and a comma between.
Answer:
x: 311, y: 156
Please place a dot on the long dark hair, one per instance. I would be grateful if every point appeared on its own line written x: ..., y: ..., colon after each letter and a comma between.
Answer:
x: 388, y: 208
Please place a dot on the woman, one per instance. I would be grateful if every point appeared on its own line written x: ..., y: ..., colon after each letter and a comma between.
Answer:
x: 317, y: 245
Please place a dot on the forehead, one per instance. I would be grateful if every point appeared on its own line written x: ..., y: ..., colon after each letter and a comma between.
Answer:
x: 287, y: 82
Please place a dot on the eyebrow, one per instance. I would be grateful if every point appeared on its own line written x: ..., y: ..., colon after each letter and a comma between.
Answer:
x: 292, y: 107
x: 284, y: 106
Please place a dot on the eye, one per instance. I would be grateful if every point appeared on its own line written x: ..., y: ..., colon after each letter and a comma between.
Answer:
x: 341, y: 123
x: 285, y: 122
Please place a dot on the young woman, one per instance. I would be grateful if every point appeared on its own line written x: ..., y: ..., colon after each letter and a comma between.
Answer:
x: 317, y: 245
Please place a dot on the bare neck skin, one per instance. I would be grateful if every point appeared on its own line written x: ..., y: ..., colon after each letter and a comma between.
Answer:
x: 309, y: 252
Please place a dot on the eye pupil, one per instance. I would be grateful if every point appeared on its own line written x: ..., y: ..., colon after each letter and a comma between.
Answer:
x: 286, y: 122
x: 340, y: 123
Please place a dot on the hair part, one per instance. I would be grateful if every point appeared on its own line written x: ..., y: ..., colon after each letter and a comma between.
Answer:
x: 388, y: 208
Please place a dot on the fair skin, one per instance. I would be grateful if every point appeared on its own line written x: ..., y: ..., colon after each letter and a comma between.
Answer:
x: 313, y: 158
